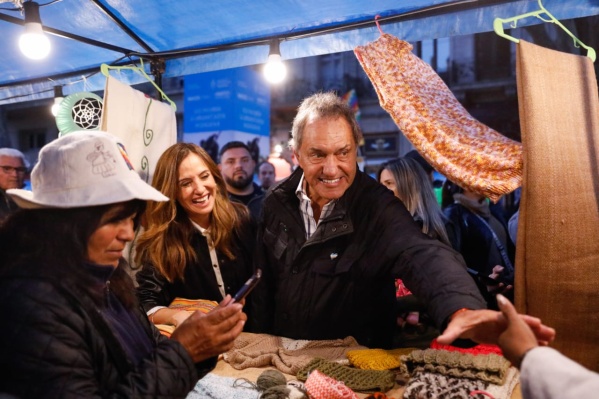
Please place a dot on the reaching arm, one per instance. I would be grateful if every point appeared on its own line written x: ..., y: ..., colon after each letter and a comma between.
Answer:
x: 486, y: 326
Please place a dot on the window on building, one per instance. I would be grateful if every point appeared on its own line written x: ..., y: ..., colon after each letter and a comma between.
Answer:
x: 31, y: 139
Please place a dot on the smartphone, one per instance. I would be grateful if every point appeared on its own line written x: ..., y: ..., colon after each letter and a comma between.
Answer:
x: 248, y: 286
x: 485, y: 279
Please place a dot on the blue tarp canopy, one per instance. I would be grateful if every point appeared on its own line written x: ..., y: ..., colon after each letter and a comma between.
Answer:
x: 193, y: 36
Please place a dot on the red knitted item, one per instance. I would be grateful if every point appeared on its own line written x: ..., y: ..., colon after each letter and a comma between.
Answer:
x: 480, y: 349
x: 321, y: 386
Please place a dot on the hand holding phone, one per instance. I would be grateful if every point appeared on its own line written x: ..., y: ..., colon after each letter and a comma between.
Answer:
x: 248, y: 286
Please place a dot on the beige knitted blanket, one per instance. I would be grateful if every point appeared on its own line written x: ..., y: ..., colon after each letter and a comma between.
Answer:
x: 287, y: 355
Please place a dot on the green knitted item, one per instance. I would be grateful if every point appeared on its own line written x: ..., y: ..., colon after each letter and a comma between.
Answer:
x: 358, y: 380
x: 491, y: 368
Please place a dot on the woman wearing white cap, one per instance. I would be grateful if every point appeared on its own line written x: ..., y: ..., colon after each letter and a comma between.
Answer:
x: 71, y: 326
x: 199, y: 245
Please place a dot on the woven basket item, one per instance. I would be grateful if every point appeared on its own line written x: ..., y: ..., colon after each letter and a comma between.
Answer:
x: 469, y: 153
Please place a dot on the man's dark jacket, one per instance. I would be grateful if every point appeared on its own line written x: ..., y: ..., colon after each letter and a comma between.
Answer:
x: 340, y: 282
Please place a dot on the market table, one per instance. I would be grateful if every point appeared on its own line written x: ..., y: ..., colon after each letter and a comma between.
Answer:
x: 234, y: 370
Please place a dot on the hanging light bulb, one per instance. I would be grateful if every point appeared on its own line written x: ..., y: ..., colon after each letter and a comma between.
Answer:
x: 58, y: 97
x: 274, y: 69
x: 33, y: 42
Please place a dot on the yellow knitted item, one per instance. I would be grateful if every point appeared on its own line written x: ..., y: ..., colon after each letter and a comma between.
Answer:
x: 373, y: 359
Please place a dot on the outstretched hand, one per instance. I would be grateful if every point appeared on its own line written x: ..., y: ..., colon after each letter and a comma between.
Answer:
x: 208, y: 335
x: 517, y: 338
x: 485, y: 326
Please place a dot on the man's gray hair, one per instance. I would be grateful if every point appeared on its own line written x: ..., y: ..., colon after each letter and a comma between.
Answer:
x: 322, y: 105
x: 11, y: 152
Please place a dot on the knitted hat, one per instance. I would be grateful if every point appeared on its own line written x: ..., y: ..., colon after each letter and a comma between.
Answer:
x: 83, y: 169
x: 490, y: 368
x: 425, y: 384
x: 359, y: 380
x: 373, y: 359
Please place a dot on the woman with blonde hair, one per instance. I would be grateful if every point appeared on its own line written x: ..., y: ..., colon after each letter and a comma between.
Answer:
x: 71, y: 325
x: 199, y: 244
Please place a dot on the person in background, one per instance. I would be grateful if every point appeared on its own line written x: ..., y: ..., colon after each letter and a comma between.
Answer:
x: 544, y: 372
x: 266, y: 175
x: 199, y: 244
x: 13, y: 167
x: 71, y: 325
x: 512, y: 226
x: 409, y: 182
x: 332, y: 241
x: 426, y: 167
x: 479, y: 232
x: 237, y: 167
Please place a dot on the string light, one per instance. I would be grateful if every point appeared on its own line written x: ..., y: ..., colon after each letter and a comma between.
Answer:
x: 274, y: 69
x: 33, y: 42
x: 58, y: 97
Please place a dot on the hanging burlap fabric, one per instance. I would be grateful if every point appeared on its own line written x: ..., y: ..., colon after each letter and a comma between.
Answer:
x: 557, y: 257
x: 466, y: 151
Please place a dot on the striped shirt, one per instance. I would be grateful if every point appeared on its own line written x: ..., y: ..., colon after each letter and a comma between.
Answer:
x: 307, y: 212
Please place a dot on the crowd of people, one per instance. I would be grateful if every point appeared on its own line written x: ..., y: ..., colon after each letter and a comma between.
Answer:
x: 330, y: 240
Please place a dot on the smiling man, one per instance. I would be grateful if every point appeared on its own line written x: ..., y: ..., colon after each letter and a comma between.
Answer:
x: 332, y: 241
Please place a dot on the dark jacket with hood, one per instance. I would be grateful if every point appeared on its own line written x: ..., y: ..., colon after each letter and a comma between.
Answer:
x: 58, y: 342
x: 340, y: 282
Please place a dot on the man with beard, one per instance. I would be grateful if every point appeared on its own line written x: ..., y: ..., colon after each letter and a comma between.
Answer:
x: 237, y: 167
x: 13, y: 167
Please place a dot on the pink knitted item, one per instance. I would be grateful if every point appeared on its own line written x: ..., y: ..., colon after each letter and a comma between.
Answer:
x: 480, y: 349
x: 320, y: 386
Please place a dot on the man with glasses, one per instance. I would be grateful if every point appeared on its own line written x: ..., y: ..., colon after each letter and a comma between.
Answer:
x: 13, y: 167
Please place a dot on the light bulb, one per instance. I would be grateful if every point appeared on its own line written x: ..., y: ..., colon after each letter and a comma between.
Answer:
x: 33, y: 42
x: 274, y: 70
x: 56, y: 105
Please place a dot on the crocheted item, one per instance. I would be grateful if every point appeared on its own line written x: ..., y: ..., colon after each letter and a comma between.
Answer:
x: 373, y: 359
x: 203, y: 305
x: 377, y: 395
x: 288, y: 356
x: 356, y: 379
x: 212, y: 386
x: 320, y: 386
x: 481, y: 349
x: 490, y: 368
x: 425, y: 384
x: 432, y: 385
x: 505, y: 390
x: 469, y: 153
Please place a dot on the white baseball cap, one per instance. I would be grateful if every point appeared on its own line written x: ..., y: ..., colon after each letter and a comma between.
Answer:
x: 85, y: 168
